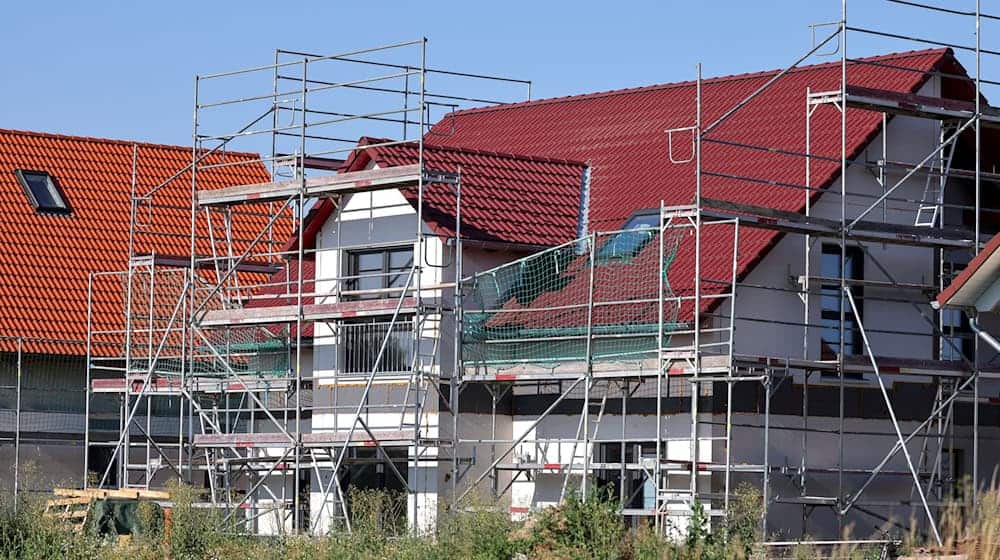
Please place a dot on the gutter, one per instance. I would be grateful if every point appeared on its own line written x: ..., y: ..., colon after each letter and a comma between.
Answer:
x: 500, y: 245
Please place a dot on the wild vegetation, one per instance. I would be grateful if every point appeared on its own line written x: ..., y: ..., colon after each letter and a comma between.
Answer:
x: 578, y: 530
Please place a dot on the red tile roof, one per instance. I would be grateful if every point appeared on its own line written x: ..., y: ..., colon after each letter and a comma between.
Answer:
x: 46, y: 259
x: 505, y: 198
x: 625, y: 290
x: 621, y: 134
x: 282, y: 289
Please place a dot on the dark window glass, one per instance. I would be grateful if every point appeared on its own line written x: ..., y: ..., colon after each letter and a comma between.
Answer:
x: 42, y: 191
x: 830, y: 299
x: 379, y: 269
x: 400, y: 263
x: 638, y: 231
x: 953, y: 469
x: 958, y: 339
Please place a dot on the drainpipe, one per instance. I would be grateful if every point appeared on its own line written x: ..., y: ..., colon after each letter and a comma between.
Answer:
x: 984, y: 335
x: 975, y: 408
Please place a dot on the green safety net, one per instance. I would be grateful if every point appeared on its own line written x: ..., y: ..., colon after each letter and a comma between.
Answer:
x: 595, y: 298
x: 156, y: 334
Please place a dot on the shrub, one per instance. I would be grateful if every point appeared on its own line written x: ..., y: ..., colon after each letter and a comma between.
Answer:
x: 193, y: 531
x: 27, y: 534
x: 579, y: 529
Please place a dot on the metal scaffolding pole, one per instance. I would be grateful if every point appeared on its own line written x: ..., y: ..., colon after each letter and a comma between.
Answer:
x: 843, y: 260
x: 895, y: 423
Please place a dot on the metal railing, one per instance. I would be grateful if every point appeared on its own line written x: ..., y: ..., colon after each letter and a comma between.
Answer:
x: 360, y: 342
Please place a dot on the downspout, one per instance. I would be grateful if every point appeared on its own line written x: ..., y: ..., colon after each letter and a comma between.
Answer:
x: 987, y: 337
x: 583, y: 221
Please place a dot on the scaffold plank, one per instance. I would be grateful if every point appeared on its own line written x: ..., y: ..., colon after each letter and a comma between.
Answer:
x: 317, y: 439
x: 172, y: 385
x: 360, y: 438
x: 310, y: 312
x: 361, y: 379
x: 861, y: 364
x: 269, y: 439
x: 340, y: 183
x: 876, y: 232
x: 914, y: 105
x: 713, y: 366
x: 673, y: 366
x: 135, y: 385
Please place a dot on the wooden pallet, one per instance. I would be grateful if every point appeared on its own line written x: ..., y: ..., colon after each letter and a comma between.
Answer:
x: 73, y: 506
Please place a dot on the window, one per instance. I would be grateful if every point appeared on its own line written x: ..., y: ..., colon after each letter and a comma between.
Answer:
x: 830, y: 298
x: 42, y: 191
x: 378, y: 269
x: 958, y: 338
x: 638, y: 231
x: 640, y: 488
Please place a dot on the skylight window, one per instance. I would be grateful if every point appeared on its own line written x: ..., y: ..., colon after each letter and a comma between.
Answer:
x: 638, y: 231
x: 42, y: 191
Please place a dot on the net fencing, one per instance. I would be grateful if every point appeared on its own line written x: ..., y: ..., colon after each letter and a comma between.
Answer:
x: 597, y: 298
x: 261, y: 351
x: 144, y: 315
x: 43, y: 401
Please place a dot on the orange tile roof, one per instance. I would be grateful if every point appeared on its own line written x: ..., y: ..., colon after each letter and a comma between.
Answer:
x: 46, y: 259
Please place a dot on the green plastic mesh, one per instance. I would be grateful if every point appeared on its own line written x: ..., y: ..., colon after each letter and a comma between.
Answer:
x: 143, y: 314
x: 537, y: 312
x: 157, y: 310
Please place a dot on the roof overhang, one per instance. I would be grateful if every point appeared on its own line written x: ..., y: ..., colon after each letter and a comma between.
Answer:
x: 978, y: 286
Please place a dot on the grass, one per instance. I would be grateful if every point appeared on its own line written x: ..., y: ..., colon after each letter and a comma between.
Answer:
x: 577, y: 530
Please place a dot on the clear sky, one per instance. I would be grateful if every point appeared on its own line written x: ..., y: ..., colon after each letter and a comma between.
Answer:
x: 124, y: 69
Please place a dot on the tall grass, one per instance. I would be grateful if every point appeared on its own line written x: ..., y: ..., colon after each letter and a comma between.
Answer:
x: 577, y: 530
x: 976, y: 534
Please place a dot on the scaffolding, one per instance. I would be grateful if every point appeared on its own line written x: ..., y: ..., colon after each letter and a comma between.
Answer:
x: 597, y: 320
x: 212, y: 352
x: 280, y: 377
x: 539, y: 325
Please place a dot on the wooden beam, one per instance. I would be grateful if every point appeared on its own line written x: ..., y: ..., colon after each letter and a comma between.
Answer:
x: 310, y: 312
x: 340, y: 183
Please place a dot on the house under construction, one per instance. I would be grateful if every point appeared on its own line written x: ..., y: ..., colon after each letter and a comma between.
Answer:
x: 660, y: 292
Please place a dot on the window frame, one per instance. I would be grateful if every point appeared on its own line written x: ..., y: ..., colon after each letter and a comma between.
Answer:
x: 855, y: 256
x: 62, y: 209
x: 962, y: 332
x: 605, y: 255
x: 385, y: 274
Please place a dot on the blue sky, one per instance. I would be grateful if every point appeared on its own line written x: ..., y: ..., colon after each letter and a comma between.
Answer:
x: 125, y: 69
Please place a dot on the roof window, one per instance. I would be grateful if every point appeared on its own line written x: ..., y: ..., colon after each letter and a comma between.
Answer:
x: 42, y: 191
x: 638, y: 231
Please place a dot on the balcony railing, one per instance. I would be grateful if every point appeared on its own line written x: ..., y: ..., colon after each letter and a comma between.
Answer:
x: 362, y: 340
